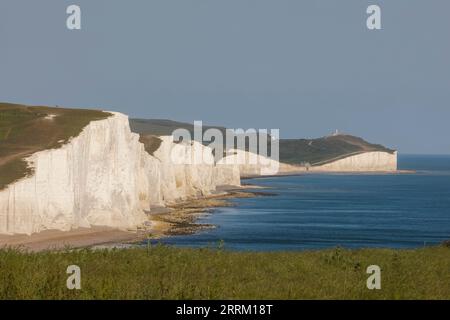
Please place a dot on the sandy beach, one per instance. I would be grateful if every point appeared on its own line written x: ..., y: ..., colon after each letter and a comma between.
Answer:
x: 57, y: 240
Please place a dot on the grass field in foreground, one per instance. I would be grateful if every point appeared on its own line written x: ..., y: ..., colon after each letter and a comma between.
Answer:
x: 161, y: 272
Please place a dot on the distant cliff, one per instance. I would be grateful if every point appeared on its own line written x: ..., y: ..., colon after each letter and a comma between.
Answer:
x: 317, y: 152
x: 337, y: 152
x: 372, y: 161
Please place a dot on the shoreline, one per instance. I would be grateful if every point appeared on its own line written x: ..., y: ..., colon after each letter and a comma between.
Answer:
x: 176, y: 219
x: 326, y: 172
x: 59, y: 240
x: 179, y: 218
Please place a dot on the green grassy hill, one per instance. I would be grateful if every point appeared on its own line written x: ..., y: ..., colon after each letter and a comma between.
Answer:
x: 163, y: 127
x: 25, y: 130
x: 292, y: 151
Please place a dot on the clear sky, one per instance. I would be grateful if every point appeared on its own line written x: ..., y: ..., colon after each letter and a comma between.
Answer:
x: 306, y: 67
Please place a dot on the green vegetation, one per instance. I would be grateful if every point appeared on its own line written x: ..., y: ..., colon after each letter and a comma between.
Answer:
x: 25, y: 130
x: 161, y: 272
x: 292, y: 151
x: 162, y: 127
x: 151, y: 143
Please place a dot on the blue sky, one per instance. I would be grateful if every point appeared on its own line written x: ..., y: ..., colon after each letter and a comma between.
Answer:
x: 306, y: 67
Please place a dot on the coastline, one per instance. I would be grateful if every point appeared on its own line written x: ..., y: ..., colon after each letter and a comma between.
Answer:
x: 59, y: 240
x: 175, y: 219
x: 179, y: 218
x: 305, y: 172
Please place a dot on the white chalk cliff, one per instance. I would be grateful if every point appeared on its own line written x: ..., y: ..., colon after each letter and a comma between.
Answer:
x: 367, y: 162
x: 253, y: 165
x: 188, y: 170
x: 104, y: 177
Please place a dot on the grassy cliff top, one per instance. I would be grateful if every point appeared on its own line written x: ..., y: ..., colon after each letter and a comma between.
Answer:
x: 25, y: 130
x: 292, y: 151
x: 163, y: 127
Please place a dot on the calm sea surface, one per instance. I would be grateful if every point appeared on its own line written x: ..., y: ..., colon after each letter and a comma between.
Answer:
x: 322, y: 210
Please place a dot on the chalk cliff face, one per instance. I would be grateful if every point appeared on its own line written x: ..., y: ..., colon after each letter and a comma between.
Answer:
x: 104, y: 177
x: 251, y: 165
x: 90, y: 181
x: 369, y: 161
x: 188, y: 170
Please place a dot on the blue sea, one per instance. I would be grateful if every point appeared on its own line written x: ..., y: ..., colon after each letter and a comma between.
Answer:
x: 315, y: 211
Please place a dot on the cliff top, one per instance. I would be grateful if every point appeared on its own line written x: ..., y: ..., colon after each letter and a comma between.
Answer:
x: 25, y: 130
x: 164, y: 127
